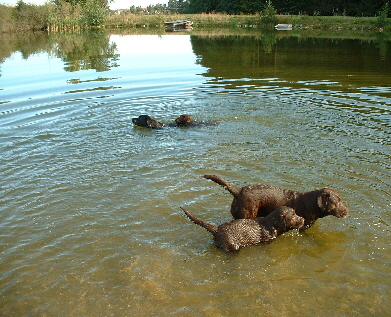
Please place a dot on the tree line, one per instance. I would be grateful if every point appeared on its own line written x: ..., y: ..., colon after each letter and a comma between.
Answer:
x: 294, y: 7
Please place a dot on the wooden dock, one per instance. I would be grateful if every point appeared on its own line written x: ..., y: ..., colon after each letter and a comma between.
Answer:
x: 178, y: 25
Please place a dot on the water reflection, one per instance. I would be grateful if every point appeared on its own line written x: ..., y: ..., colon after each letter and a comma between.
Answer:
x: 25, y: 43
x: 382, y: 44
x: 83, y: 50
x: 294, y: 59
x: 336, y: 73
x: 268, y: 54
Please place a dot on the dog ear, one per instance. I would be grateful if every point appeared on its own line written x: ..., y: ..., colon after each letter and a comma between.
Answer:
x: 148, y: 121
x: 323, y: 199
x: 283, y: 217
x: 143, y: 120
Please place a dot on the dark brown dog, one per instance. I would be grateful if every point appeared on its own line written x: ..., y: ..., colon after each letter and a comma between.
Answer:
x: 184, y: 120
x: 233, y: 235
x: 147, y: 122
x: 259, y: 200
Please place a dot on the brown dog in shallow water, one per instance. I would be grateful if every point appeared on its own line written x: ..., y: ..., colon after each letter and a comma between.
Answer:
x: 183, y: 120
x: 149, y: 122
x: 259, y: 200
x: 233, y: 235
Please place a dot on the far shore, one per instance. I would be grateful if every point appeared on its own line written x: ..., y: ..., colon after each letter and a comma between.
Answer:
x: 248, y: 21
x: 51, y: 18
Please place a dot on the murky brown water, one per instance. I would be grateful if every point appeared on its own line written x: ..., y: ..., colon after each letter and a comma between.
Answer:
x: 90, y: 219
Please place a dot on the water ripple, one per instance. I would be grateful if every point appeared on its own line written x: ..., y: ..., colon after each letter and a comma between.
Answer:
x: 90, y: 220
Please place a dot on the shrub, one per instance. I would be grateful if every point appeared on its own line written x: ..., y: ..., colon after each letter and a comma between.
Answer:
x: 381, y: 20
x: 29, y: 16
x: 94, y: 13
x: 268, y: 17
x: 6, y: 20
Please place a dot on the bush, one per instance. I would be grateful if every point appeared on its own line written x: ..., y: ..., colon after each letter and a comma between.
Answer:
x: 381, y: 20
x: 94, y: 13
x: 29, y: 16
x: 6, y: 20
x: 76, y: 14
x: 268, y: 17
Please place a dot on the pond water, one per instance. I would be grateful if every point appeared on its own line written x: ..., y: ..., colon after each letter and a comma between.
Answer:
x: 90, y: 222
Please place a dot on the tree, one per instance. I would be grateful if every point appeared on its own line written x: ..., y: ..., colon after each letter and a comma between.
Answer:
x: 269, y: 14
x: 29, y: 16
x: 383, y: 15
x: 94, y: 12
x: 207, y: 6
x: 310, y: 7
x: 175, y: 6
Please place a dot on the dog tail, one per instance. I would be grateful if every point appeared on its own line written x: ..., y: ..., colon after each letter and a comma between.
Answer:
x: 228, y: 186
x: 211, y: 228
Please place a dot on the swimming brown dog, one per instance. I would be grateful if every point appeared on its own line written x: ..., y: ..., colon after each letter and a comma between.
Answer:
x: 183, y: 120
x: 150, y: 122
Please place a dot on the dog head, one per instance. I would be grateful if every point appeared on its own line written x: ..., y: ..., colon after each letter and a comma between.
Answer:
x: 184, y: 119
x: 147, y: 122
x: 292, y: 220
x: 287, y: 219
x: 330, y: 203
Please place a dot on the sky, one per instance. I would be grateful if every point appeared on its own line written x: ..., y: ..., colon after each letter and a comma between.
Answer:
x: 116, y: 4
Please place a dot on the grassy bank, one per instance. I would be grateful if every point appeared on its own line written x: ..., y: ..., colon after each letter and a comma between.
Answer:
x: 227, y: 21
x: 25, y: 17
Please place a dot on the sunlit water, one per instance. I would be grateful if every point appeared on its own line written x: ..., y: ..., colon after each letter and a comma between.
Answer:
x: 90, y: 218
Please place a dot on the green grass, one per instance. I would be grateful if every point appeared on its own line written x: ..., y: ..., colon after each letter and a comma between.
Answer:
x: 223, y: 21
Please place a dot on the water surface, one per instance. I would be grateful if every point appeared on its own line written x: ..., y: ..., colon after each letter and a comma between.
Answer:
x: 90, y: 219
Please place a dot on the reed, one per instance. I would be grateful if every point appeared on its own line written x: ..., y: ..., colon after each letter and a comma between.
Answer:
x: 64, y: 17
x: 131, y: 20
x: 199, y: 20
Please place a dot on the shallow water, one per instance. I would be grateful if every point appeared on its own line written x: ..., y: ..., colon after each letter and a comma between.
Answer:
x: 90, y: 218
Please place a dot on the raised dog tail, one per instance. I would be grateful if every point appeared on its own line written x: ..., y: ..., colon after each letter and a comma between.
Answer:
x: 228, y: 186
x: 211, y: 228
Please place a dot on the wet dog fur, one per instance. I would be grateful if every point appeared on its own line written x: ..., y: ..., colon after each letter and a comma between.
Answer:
x: 256, y: 200
x: 235, y: 234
